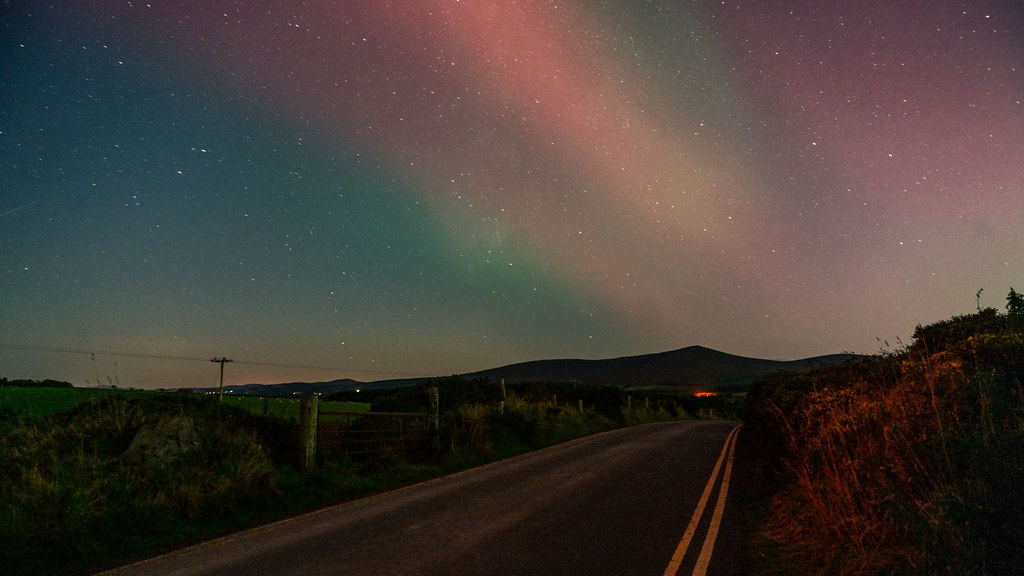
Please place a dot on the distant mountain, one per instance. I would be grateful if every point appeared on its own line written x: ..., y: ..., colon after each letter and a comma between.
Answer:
x: 289, y: 388
x: 695, y: 368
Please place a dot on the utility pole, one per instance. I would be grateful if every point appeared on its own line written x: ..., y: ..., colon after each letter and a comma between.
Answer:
x: 222, y: 360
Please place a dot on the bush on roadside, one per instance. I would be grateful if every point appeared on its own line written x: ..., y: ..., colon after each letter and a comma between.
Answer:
x: 903, y: 463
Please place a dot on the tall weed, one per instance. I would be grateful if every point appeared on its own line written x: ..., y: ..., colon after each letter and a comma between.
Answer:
x: 906, y: 462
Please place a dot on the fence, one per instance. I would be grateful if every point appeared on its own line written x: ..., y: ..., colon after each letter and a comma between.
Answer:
x: 344, y: 433
x: 361, y: 433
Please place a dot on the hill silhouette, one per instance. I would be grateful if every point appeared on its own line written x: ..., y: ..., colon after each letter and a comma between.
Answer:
x: 695, y: 368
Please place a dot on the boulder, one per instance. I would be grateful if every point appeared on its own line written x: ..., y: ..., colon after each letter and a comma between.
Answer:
x: 160, y: 444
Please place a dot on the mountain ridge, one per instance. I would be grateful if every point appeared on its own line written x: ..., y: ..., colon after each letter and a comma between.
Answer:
x: 689, y: 369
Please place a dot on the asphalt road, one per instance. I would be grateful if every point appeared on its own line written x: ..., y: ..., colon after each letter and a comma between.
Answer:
x: 617, y: 503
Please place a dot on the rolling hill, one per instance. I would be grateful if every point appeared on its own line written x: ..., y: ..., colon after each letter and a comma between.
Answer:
x: 694, y: 368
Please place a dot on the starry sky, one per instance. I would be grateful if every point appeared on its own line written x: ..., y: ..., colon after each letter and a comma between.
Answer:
x: 329, y: 189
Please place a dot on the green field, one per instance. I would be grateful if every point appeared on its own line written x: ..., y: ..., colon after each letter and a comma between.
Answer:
x: 47, y: 401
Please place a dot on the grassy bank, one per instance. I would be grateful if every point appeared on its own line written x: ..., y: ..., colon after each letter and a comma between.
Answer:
x: 908, y: 462
x: 72, y: 502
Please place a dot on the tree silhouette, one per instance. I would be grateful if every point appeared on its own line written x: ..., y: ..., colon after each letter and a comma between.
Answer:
x: 1015, y: 305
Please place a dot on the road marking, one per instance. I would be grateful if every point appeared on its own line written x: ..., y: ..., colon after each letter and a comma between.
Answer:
x: 716, y: 518
x: 691, y: 529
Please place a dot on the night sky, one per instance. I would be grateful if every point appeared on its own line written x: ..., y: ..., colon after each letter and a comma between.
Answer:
x: 392, y: 189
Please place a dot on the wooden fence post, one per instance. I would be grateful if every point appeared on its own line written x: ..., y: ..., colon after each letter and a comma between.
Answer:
x: 435, y: 420
x: 307, y: 430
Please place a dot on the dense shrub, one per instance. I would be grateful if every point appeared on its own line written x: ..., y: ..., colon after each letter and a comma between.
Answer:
x: 905, y: 462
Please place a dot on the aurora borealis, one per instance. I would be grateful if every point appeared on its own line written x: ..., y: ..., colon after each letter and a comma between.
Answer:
x: 428, y: 188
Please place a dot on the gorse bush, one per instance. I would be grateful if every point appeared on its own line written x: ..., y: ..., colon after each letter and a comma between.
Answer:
x: 905, y: 462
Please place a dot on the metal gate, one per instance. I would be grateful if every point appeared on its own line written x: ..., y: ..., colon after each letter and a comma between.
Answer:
x: 340, y: 433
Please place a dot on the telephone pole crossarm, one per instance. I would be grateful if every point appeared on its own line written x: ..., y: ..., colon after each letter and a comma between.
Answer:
x: 222, y: 361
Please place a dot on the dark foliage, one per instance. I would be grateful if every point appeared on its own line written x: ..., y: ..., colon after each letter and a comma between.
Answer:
x: 453, y: 391
x: 935, y: 337
x: 34, y: 383
x: 1015, y: 308
x: 907, y: 462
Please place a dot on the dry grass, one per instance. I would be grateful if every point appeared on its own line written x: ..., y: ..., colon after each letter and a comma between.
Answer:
x: 69, y: 498
x: 907, y: 462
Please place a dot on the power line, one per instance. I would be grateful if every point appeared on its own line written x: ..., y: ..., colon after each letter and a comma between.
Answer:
x: 99, y: 352
x: 195, y: 359
x: 329, y: 368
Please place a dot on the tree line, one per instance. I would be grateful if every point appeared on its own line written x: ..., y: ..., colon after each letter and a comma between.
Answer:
x: 5, y: 383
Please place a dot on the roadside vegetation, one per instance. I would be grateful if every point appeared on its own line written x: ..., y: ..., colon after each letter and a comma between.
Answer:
x: 906, y: 462
x: 72, y: 501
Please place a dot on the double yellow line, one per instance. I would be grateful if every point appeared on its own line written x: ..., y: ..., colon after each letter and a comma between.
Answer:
x: 701, y: 568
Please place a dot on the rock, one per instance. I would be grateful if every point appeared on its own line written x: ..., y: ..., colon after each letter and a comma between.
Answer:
x: 163, y: 443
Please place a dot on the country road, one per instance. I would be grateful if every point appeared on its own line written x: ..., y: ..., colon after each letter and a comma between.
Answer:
x: 638, y: 500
